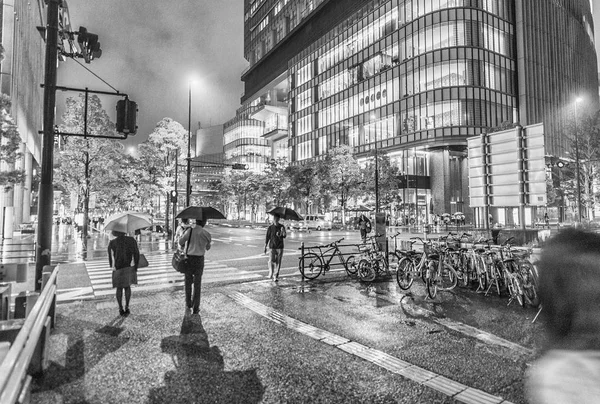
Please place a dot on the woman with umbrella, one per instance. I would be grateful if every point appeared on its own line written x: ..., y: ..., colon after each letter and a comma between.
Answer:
x: 121, y: 251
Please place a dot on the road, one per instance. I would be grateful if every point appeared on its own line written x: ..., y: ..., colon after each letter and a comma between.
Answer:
x: 361, y: 342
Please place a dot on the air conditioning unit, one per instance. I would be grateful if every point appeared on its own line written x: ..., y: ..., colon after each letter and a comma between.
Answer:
x: 5, y: 295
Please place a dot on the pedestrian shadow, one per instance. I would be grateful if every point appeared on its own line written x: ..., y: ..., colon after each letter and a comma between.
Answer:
x: 84, y: 350
x: 199, y: 375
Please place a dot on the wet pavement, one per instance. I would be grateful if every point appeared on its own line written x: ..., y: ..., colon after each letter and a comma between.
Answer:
x: 333, y: 340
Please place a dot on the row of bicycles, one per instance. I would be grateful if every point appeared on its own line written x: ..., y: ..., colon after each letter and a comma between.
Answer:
x: 445, y: 263
x: 441, y: 264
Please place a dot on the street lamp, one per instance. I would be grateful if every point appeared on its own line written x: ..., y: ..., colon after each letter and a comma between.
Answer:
x: 577, y: 100
x: 373, y: 117
x: 189, y: 146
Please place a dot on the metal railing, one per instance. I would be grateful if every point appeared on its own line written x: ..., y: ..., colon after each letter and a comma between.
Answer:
x: 15, y: 381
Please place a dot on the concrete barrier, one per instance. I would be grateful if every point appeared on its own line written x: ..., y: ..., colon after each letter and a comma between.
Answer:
x: 28, y: 337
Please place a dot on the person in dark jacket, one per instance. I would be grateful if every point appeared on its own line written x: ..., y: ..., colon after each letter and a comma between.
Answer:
x: 122, y: 250
x: 274, y: 240
x: 199, y: 242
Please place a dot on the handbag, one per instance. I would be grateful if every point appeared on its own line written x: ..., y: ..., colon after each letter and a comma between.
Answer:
x: 179, y: 260
x: 143, y: 263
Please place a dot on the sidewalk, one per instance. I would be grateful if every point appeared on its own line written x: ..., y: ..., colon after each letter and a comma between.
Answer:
x: 269, y: 343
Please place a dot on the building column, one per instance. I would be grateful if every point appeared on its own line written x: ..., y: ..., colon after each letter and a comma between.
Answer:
x: 19, y: 189
x: 27, y: 189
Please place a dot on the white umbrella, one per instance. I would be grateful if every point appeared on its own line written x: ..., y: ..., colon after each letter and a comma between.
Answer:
x: 128, y: 222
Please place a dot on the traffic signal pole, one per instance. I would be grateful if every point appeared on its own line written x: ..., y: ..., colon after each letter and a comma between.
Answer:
x: 46, y: 194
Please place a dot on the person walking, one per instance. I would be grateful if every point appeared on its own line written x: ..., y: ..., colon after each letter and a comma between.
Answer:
x: 364, y: 225
x: 569, y: 290
x: 199, y: 241
x: 274, y: 240
x: 122, y: 251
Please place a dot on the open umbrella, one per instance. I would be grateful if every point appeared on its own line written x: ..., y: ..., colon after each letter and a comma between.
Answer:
x: 200, y: 212
x: 285, y: 213
x: 127, y: 222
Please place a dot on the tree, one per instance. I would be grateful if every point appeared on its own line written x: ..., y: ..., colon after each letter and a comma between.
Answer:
x: 343, y: 176
x: 9, y: 146
x: 158, y: 156
x: 584, y: 146
x: 275, y: 182
x: 87, y: 165
x: 387, y: 179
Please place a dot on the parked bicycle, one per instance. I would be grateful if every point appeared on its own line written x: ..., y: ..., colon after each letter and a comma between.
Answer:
x: 440, y: 275
x: 317, y: 260
x: 372, y: 261
x: 409, y: 264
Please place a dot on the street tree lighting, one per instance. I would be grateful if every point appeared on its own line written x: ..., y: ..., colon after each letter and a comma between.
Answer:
x: 577, y: 101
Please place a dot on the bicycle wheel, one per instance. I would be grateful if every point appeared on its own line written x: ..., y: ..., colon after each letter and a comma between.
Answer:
x: 351, y: 266
x: 448, y: 279
x: 481, y: 274
x: 467, y: 270
x: 529, y: 283
x: 404, y: 273
x: 310, y: 265
x: 494, y: 276
x: 514, y: 283
x: 430, y: 281
x: 366, y: 272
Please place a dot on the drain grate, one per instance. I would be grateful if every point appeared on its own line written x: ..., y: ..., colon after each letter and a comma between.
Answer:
x: 450, y: 388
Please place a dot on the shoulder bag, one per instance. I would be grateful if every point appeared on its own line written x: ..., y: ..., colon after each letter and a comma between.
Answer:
x: 180, y: 259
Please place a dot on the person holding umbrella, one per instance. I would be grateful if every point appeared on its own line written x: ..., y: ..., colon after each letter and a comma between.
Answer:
x: 121, y: 251
x: 274, y: 240
x: 199, y: 241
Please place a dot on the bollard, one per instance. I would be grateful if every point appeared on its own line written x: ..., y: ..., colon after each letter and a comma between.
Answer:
x: 46, y: 273
x: 301, y: 257
x: 5, y: 299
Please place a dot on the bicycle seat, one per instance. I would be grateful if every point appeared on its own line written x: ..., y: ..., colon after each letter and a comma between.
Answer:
x: 433, y: 256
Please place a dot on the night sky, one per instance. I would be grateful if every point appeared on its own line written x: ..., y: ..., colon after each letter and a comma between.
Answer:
x: 151, y: 49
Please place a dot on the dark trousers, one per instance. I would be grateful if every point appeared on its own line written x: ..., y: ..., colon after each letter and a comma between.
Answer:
x: 193, y: 276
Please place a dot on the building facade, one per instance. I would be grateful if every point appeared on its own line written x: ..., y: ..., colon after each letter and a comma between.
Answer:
x: 22, y: 72
x: 419, y: 77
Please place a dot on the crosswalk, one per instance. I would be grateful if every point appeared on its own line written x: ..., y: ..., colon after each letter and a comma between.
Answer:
x: 159, y: 274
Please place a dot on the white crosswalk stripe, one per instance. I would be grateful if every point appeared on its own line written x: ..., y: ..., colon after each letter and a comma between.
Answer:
x: 159, y: 274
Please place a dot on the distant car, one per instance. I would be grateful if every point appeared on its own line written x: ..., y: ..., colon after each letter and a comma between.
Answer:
x: 312, y: 222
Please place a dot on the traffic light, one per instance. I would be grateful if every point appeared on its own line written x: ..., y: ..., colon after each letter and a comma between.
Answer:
x: 239, y: 166
x: 561, y: 163
x: 174, y: 196
x: 90, y: 47
x: 126, y: 116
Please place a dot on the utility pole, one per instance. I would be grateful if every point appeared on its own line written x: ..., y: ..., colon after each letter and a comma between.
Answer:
x: 46, y: 195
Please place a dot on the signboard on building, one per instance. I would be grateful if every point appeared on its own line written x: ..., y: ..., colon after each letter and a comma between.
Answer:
x: 507, y: 168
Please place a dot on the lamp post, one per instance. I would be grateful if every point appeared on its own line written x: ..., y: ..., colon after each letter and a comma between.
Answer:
x: 577, y: 100
x: 373, y: 117
x: 189, y: 148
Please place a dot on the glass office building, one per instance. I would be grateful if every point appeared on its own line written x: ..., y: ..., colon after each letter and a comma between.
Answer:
x: 418, y: 77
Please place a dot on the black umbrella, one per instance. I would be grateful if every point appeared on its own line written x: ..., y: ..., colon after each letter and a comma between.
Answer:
x: 200, y: 212
x: 285, y: 213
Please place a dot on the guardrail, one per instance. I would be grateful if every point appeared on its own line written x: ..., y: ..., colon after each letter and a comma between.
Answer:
x: 27, y: 352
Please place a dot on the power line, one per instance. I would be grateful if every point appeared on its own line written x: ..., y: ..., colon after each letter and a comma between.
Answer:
x: 98, y: 77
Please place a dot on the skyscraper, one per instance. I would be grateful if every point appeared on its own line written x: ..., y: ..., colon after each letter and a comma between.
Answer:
x: 416, y: 76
